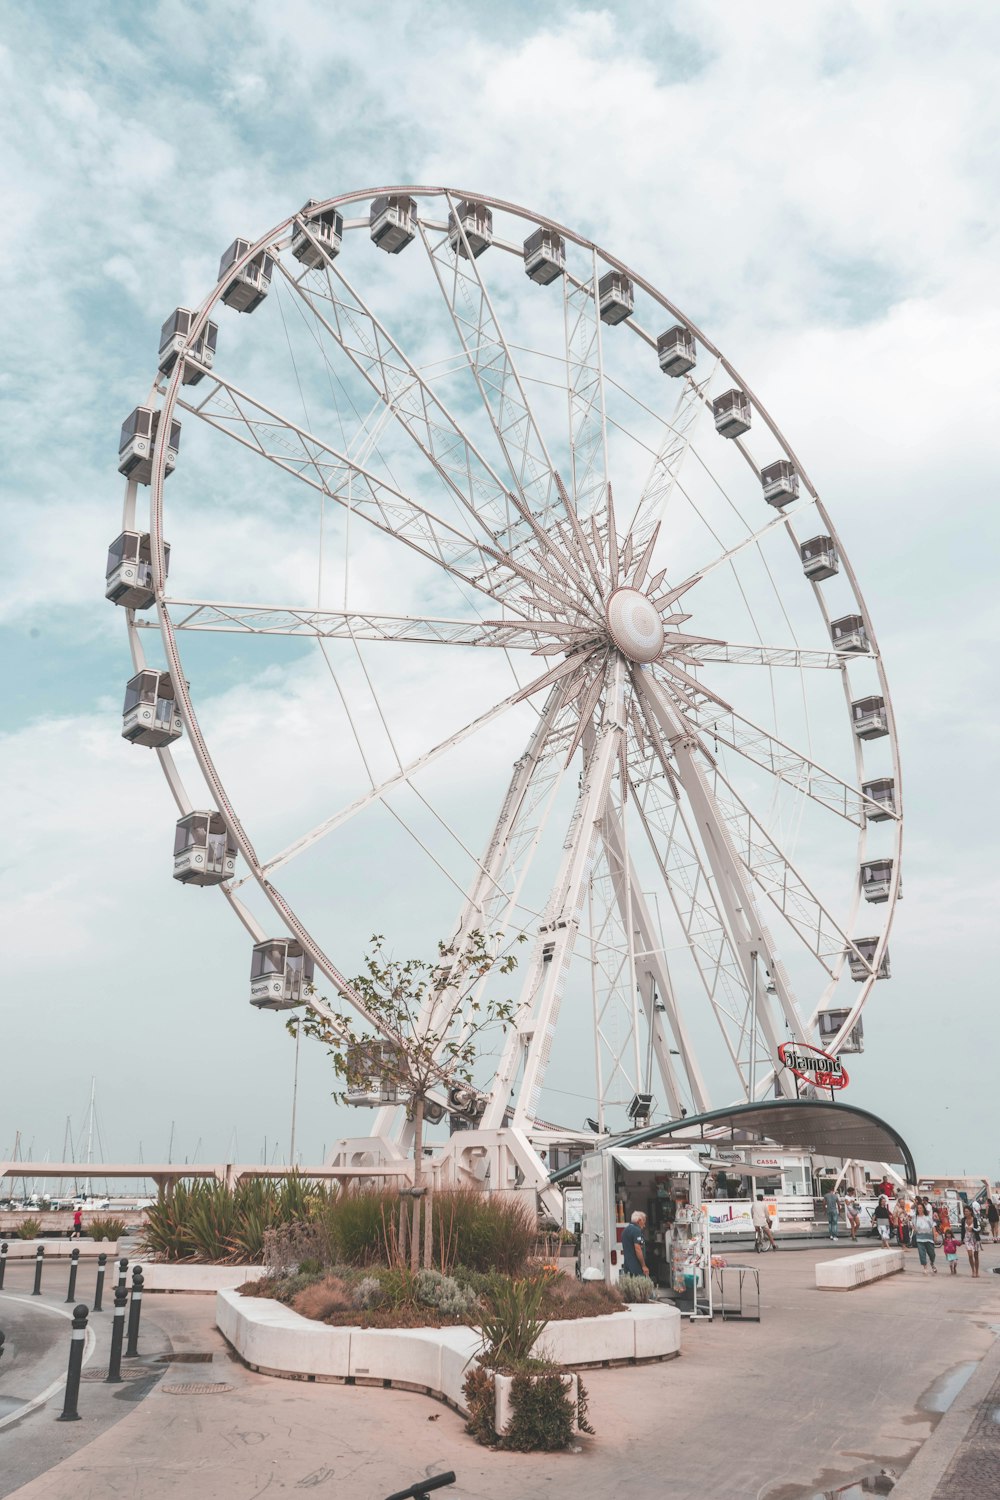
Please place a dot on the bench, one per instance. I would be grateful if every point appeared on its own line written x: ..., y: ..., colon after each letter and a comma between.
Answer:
x: 849, y: 1271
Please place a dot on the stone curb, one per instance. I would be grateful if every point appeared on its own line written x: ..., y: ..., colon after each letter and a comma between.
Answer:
x: 925, y: 1473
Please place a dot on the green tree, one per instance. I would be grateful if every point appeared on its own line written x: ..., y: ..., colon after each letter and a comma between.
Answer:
x: 429, y: 1020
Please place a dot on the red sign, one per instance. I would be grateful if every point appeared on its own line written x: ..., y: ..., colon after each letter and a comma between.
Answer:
x: 813, y: 1066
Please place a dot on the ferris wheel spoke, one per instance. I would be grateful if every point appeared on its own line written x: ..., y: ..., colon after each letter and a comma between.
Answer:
x: 656, y: 795
x: 674, y: 446
x: 219, y: 616
x: 588, y: 439
x: 492, y: 366
x: 726, y: 727
x: 735, y: 654
x: 395, y: 379
x: 308, y: 458
x: 775, y: 874
x: 377, y: 792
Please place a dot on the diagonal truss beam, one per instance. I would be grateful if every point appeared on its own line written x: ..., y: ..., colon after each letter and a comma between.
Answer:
x: 588, y: 435
x: 492, y: 366
x: 472, y: 481
x: 300, y: 453
x: 342, y: 625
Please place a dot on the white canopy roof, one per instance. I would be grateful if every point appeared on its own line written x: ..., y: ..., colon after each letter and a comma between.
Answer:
x: 636, y: 1160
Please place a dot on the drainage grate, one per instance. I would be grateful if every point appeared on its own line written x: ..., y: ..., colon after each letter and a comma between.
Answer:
x: 184, y: 1359
x: 196, y: 1388
x: 129, y: 1372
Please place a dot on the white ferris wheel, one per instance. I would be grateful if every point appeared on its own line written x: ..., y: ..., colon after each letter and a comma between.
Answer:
x: 577, y: 656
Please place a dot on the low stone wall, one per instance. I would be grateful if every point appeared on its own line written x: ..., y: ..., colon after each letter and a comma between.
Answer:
x: 61, y: 1249
x: 172, y: 1276
x: 850, y: 1271
x: 276, y: 1341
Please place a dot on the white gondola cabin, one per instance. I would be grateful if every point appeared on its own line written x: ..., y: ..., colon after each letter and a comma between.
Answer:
x: 849, y: 634
x: 150, y: 715
x: 882, y: 799
x: 373, y: 1074
x: 731, y: 411
x: 676, y: 350
x: 198, y: 357
x: 876, y: 879
x: 247, y: 287
x: 862, y: 960
x: 393, y: 222
x: 137, y: 445
x: 780, y: 483
x: 869, y: 718
x: 204, y: 849
x: 829, y: 1023
x: 280, y: 974
x: 477, y: 221
x: 129, y: 572
x: 819, y: 558
x: 615, y: 297
x: 544, y: 256
x: 323, y: 240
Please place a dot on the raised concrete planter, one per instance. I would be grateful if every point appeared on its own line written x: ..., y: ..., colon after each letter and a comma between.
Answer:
x: 276, y: 1341
x: 168, y: 1276
x: 850, y: 1271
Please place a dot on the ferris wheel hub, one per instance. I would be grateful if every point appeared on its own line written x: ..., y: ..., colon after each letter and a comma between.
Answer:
x: 635, y: 625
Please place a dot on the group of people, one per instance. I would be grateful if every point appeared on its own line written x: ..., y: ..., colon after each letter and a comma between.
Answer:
x: 925, y: 1225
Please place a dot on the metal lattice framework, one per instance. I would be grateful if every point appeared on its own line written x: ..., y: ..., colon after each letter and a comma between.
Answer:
x: 682, y: 837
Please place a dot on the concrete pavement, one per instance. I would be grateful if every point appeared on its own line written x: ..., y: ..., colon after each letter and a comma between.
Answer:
x: 827, y: 1388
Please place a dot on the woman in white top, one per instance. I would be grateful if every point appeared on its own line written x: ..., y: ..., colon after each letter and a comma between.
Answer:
x: 923, y: 1233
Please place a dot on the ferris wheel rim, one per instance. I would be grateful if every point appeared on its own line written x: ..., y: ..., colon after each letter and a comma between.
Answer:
x: 202, y: 754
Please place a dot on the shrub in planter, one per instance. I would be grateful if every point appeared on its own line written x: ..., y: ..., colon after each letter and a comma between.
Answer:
x: 546, y: 1403
x: 105, y: 1229
x: 635, y: 1288
x: 29, y: 1229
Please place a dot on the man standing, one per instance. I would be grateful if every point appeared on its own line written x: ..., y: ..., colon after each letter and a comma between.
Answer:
x: 832, y: 1212
x: 761, y: 1222
x: 634, y: 1246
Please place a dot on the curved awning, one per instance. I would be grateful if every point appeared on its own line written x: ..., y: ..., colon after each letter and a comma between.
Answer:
x: 819, y: 1126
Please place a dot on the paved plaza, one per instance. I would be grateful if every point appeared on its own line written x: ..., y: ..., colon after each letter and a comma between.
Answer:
x: 827, y: 1388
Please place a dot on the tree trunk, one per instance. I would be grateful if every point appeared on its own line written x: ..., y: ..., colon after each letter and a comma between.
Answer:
x: 418, y: 1179
x: 429, y: 1226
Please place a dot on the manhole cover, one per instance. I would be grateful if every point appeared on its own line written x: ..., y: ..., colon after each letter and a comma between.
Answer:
x: 129, y: 1372
x: 196, y: 1388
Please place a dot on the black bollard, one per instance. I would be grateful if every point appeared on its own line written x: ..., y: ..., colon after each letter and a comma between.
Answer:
x: 69, y: 1411
x: 114, y: 1375
x: 122, y: 1272
x: 102, y: 1262
x: 3, y: 1263
x: 74, y: 1266
x: 3, y: 1340
x: 134, y: 1314
x: 39, y: 1262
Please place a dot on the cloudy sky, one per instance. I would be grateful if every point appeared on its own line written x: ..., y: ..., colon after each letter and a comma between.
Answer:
x: 815, y: 185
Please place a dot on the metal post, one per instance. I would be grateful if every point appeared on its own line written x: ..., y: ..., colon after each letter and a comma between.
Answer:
x: 3, y: 1340
x: 114, y: 1375
x: 39, y: 1262
x: 134, y: 1314
x: 122, y: 1272
x: 74, y: 1266
x: 102, y: 1262
x: 3, y: 1263
x: 79, y: 1334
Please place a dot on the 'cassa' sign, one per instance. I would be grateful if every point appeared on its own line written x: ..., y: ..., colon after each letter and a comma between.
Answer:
x: 813, y: 1066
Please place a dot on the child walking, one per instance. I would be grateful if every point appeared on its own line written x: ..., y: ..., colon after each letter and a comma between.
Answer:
x: 950, y: 1248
